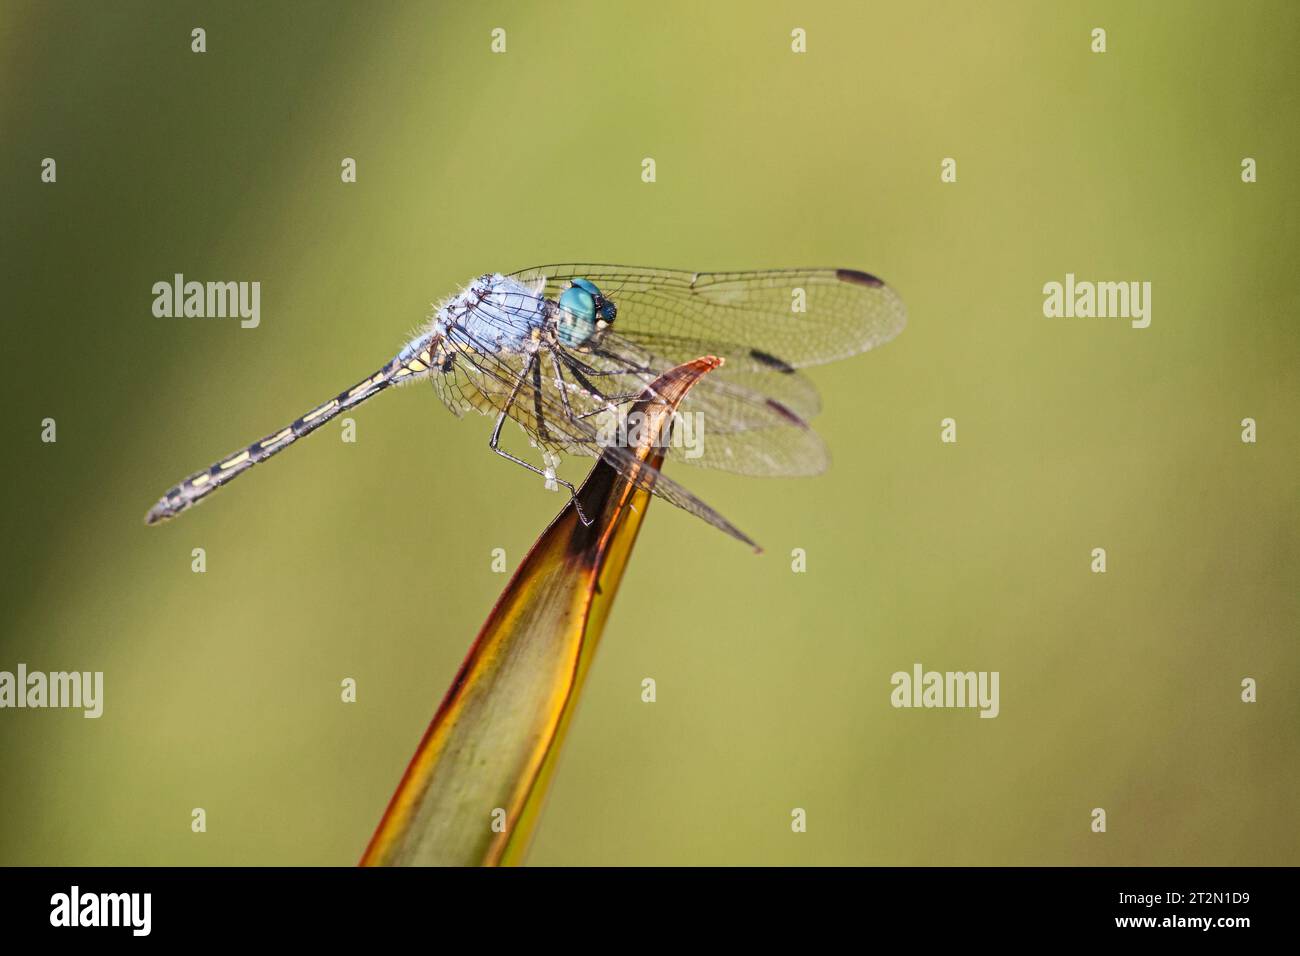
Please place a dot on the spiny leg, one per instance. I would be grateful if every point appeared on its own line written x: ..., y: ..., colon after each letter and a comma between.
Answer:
x: 579, y: 371
x: 559, y: 384
x: 642, y: 373
x: 611, y: 402
x: 626, y: 363
x: 495, y: 442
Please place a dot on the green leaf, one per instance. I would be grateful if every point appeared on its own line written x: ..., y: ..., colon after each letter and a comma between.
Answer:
x: 475, y: 787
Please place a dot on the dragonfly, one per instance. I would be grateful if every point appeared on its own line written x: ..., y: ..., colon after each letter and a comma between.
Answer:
x: 565, y: 351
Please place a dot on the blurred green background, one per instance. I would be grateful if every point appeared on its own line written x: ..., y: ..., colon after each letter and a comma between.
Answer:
x: 372, y: 560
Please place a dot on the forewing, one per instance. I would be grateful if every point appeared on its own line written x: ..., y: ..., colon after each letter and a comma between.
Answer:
x: 780, y: 318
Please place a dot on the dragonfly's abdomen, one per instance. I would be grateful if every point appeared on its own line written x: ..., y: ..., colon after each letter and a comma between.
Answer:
x: 202, y: 483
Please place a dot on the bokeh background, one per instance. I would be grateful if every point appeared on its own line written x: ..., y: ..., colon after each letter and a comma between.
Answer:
x: 373, y: 560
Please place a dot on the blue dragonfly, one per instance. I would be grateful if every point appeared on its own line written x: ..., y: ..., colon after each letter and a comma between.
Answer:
x: 565, y: 351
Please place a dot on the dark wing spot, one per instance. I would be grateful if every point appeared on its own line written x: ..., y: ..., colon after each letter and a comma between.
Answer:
x: 786, y: 413
x: 858, y: 278
x: 770, y: 360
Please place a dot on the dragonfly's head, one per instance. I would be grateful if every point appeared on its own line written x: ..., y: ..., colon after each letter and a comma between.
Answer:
x: 584, y: 313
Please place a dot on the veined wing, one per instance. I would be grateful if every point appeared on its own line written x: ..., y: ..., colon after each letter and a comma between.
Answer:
x: 789, y: 387
x: 555, y: 418
x: 779, y: 319
x: 751, y: 423
x: 732, y: 423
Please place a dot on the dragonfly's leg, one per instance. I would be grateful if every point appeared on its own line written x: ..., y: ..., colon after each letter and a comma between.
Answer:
x: 597, y: 372
x: 580, y: 371
x: 614, y: 400
x: 559, y: 384
x: 495, y: 444
x: 573, y: 492
x: 536, y: 366
x: 628, y: 365
x: 625, y: 365
x: 577, y: 369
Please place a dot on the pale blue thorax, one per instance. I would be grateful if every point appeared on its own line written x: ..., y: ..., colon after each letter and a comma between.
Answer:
x: 494, y: 313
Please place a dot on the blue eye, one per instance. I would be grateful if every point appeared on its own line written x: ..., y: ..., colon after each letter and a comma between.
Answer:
x: 605, y: 309
x: 579, y: 303
x: 577, y: 317
x: 582, y: 310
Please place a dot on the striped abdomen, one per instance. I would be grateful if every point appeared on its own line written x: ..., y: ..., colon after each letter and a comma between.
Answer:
x: 202, y: 483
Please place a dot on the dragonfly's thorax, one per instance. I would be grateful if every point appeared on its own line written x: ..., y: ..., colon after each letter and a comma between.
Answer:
x: 494, y: 313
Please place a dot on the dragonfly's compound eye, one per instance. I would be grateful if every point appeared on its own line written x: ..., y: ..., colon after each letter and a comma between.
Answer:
x: 605, y: 310
x: 577, y: 321
x: 579, y: 304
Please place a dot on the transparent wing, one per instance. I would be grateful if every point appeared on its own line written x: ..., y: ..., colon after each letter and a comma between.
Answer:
x: 777, y: 319
x: 732, y: 423
x: 792, y: 389
x: 749, y: 417
x: 555, y: 418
